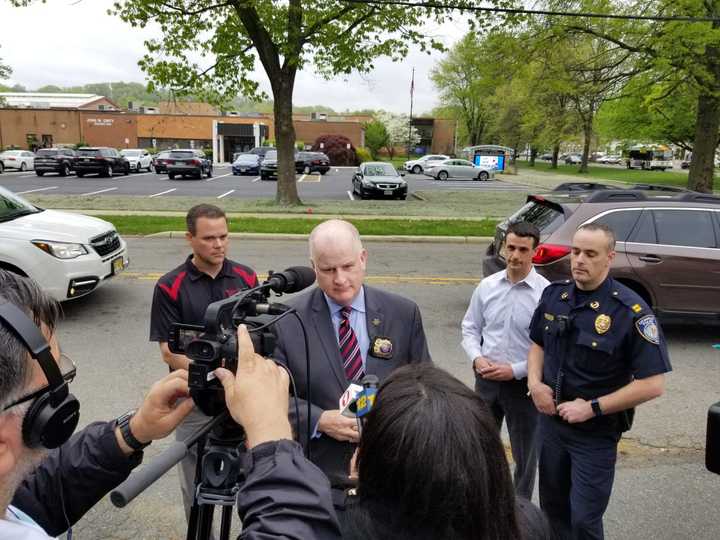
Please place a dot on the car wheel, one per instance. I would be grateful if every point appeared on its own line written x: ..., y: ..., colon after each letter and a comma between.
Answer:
x: 483, y: 176
x: 2, y: 167
x: 39, y: 173
x: 442, y: 175
x: 417, y: 169
x: 263, y: 177
x: 171, y: 176
x: 199, y: 174
x: 79, y: 174
x: 23, y: 167
x: 137, y: 168
x: 108, y: 171
x: 64, y: 170
x: 306, y: 170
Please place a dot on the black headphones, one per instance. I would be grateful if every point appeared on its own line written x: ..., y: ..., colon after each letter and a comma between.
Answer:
x: 54, y: 414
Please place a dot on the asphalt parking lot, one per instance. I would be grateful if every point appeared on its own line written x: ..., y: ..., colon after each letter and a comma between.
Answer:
x: 335, y: 185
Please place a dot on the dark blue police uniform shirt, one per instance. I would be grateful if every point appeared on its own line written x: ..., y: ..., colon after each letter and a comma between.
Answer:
x: 183, y: 294
x: 612, y: 339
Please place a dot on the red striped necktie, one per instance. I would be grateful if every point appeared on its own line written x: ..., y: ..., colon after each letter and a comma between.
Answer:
x: 349, y: 347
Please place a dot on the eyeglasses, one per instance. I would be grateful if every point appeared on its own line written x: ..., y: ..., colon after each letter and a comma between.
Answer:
x: 67, y: 370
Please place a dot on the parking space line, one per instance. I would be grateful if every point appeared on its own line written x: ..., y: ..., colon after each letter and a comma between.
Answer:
x: 135, y: 175
x: 27, y: 175
x: 161, y: 193
x: 226, y: 194
x: 313, y: 178
x: 216, y: 177
x: 255, y: 179
x: 301, y: 178
x: 350, y: 195
x: 34, y: 190
x: 97, y: 192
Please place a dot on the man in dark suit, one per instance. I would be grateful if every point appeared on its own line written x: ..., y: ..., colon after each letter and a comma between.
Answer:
x: 352, y: 330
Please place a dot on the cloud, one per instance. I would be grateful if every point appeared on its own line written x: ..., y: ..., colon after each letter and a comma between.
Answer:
x: 67, y: 43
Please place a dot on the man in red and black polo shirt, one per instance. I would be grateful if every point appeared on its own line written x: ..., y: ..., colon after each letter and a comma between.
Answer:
x: 183, y: 294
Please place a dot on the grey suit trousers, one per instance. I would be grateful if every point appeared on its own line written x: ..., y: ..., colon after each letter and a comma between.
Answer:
x: 508, y: 401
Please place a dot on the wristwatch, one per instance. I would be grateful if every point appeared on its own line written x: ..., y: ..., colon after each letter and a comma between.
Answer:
x: 123, y: 423
x: 595, y: 404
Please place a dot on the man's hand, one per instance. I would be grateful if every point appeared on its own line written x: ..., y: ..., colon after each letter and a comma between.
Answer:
x: 257, y: 395
x: 542, y: 396
x: 162, y: 410
x: 480, y: 363
x: 497, y: 372
x: 575, y: 411
x: 338, y: 427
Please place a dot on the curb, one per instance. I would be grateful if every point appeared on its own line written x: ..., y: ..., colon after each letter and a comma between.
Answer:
x: 365, y: 238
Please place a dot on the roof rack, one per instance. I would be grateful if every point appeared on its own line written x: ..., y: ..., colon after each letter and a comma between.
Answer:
x: 608, y: 195
x: 694, y: 196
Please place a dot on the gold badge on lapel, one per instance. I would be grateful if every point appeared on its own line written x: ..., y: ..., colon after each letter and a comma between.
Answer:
x: 602, y: 323
x: 375, y: 322
x: 595, y: 304
x: 381, y: 347
x: 564, y: 296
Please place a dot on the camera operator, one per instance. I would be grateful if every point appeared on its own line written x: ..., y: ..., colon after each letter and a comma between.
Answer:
x: 45, y: 493
x: 182, y: 296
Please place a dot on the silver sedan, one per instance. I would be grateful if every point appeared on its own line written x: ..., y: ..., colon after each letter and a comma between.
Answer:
x: 460, y: 168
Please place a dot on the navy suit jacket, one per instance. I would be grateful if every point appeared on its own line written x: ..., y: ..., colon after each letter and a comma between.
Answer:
x: 389, y: 316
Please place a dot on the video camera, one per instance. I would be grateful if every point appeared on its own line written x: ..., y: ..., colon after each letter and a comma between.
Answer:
x: 214, y: 344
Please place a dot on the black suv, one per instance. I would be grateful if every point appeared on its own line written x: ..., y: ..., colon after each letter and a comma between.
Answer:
x: 269, y: 165
x: 100, y: 160
x: 57, y: 160
x: 188, y: 163
x: 314, y: 162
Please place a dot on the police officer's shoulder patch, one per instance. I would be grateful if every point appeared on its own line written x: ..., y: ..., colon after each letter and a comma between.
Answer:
x: 647, y: 327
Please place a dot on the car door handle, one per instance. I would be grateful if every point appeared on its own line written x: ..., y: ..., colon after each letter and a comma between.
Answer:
x: 650, y: 258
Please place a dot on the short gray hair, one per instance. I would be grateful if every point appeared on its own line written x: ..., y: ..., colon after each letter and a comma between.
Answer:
x: 332, y: 228
x: 15, y: 370
x: 609, y: 233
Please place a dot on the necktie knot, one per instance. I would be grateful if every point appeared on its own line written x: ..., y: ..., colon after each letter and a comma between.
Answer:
x: 345, y: 312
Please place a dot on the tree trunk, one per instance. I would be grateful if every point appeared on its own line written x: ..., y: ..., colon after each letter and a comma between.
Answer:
x: 555, y: 154
x: 587, y: 135
x: 287, y: 194
x: 707, y: 123
x: 533, y: 155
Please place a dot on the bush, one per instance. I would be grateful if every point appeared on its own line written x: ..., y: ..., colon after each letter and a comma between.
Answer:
x: 336, y: 148
x: 363, y: 154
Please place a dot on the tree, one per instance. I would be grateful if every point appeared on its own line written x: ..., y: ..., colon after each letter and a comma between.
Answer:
x: 338, y: 148
x: 399, y: 130
x: 376, y: 137
x: 5, y: 72
x: 336, y: 37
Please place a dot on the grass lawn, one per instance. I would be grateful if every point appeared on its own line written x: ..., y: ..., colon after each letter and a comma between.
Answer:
x: 138, y: 224
x: 614, y: 173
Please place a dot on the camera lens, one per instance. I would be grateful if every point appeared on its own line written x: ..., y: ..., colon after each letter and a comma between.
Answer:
x: 206, y: 350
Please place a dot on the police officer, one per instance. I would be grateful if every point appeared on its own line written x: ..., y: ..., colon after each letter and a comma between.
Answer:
x: 597, y: 353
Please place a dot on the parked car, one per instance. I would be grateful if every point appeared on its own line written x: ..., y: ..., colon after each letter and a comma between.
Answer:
x: 138, y: 158
x: 17, y: 159
x: 268, y: 167
x: 187, y: 163
x: 159, y: 161
x: 246, y: 164
x: 100, y: 160
x: 2, y: 167
x: 610, y: 159
x: 668, y: 244
x: 545, y: 157
x: 68, y: 254
x: 314, y: 162
x: 56, y: 160
x: 262, y: 150
x: 379, y: 179
x: 460, y: 168
x: 573, y: 159
x: 418, y: 166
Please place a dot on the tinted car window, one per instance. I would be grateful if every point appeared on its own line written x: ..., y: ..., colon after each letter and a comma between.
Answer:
x: 88, y: 152
x: 379, y: 169
x: 545, y: 218
x: 644, y: 232
x: 621, y: 223
x: 271, y: 154
x: 44, y: 152
x: 684, y: 228
x: 181, y: 154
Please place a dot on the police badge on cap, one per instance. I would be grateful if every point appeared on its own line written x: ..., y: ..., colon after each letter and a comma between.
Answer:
x: 648, y: 329
x: 381, y: 347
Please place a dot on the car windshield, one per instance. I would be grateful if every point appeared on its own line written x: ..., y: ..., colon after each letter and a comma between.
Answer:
x: 11, y: 153
x: 247, y: 158
x: 271, y: 154
x: 380, y: 169
x: 44, y: 152
x: 13, y: 206
x: 131, y: 153
x: 88, y: 152
x: 543, y: 216
x: 181, y: 154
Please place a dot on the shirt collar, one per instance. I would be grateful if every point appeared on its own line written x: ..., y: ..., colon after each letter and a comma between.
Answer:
x: 528, y: 280
x: 195, y: 273
x: 358, y: 303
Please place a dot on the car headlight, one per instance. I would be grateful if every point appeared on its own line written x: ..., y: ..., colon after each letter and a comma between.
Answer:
x: 61, y: 250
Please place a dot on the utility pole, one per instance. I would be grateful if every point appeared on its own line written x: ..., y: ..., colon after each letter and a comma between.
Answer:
x: 412, y: 91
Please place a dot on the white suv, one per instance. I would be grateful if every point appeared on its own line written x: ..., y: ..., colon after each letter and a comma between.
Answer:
x: 139, y: 159
x: 68, y: 255
x: 418, y: 166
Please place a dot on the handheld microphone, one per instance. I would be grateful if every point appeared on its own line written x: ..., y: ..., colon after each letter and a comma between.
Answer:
x: 366, y: 399
x: 293, y: 279
x: 347, y: 402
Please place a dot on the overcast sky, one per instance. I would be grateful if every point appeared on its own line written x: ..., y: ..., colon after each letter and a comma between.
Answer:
x: 73, y: 42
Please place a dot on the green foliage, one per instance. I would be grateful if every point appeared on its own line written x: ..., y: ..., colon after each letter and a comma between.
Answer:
x: 363, y: 153
x: 376, y: 138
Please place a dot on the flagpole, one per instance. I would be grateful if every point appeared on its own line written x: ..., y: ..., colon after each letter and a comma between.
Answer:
x: 412, y: 90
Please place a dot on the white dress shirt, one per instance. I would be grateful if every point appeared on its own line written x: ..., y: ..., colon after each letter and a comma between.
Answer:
x: 497, y: 322
x: 17, y: 525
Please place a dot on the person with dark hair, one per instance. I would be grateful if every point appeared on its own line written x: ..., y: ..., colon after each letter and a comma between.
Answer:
x: 431, y: 465
x: 597, y: 352
x: 497, y: 341
x: 182, y: 296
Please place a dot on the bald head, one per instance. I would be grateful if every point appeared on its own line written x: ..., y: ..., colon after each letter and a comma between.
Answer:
x: 338, y: 258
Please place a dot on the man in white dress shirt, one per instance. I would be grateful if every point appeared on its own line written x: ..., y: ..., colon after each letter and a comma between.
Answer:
x: 496, y: 339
